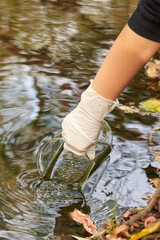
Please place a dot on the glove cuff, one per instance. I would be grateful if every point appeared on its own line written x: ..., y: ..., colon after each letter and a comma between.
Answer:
x: 96, y: 105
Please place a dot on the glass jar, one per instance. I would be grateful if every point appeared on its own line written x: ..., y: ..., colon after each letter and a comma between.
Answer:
x: 68, y: 173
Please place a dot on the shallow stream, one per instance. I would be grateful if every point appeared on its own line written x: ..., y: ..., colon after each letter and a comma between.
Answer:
x: 49, y: 50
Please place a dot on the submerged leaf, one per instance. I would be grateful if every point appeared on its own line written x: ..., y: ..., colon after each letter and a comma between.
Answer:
x: 152, y: 105
x: 85, y: 220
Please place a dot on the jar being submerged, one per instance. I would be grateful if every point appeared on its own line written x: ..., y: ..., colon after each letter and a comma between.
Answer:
x: 67, y: 172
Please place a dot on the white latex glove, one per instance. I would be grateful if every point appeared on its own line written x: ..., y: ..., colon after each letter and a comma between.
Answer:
x: 82, y: 126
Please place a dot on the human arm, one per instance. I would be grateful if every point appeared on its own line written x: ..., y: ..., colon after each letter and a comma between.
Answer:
x: 127, y: 56
x: 136, y: 44
x: 129, y: 53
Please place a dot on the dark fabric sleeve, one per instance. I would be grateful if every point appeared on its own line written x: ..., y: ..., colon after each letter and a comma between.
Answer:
x: 145, y: 21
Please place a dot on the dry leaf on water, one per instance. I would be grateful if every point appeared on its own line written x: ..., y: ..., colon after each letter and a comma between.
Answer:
x: 153, y: 69
x: 152, y: 72
x: 109, y: 237
x: 156, y: 182
x: 85, y: 220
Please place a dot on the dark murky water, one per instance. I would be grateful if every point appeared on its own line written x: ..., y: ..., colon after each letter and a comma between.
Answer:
x: 49, y: 50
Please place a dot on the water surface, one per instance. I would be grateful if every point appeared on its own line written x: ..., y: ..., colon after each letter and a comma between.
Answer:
x: 49, y: 50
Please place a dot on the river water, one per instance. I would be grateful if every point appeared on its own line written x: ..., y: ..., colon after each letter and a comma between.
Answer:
x: 49, y: 50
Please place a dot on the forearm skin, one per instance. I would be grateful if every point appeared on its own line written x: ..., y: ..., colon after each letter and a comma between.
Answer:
x: 129, y: 53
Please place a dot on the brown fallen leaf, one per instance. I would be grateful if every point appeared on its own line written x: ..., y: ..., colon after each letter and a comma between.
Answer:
x: 153, y: 68
x: 156, y: 182
x: 155, y: 63
x: 97, y: 235
x: 152, y: 72
x: 134, y: 226
x: 144, y: 217
x: 85, y: 220
x: 129, y: 214
x: 149, y: 220
x: 155, y: 236
x: 152, y: 86
x: 158, y: 207
x: 109, y: 225
x: 126, y: 215
x: 121, y: 231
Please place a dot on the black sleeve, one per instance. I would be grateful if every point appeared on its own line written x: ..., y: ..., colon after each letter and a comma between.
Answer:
x: 145, y: 21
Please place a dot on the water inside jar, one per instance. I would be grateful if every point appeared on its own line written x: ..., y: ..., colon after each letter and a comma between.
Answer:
x: 66, y: 171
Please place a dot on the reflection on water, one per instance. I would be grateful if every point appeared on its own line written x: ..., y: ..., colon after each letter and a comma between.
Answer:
x: 49, y: 50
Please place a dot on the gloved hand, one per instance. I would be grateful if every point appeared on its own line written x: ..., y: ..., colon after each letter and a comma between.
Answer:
x: 81, y: 127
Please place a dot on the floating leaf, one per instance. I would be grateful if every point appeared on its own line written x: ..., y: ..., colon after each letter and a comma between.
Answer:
x: 152, y: 105
x: 85, y: 220
x: 152, y: 72
x: 153, y: 68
